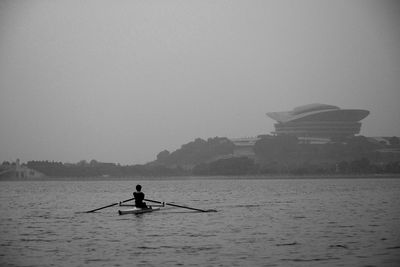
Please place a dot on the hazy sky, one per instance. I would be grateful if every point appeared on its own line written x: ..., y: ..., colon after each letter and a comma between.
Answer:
x: 120, y: 81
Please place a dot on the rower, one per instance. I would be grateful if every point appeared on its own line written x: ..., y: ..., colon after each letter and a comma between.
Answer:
x: 139, y: 197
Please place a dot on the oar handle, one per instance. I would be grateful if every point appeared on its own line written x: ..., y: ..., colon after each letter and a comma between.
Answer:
x: 110, y: 205
x: 179, y: 206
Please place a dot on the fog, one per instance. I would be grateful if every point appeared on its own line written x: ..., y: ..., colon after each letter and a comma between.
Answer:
x: 120, y: 81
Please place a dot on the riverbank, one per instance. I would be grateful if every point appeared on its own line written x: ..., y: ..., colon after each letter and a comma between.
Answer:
x: 225, y: 177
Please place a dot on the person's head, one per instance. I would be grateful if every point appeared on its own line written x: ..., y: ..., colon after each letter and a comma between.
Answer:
x: 138, y: 187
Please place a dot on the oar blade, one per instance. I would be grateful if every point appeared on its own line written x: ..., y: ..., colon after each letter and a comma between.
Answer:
x: 211, y: 211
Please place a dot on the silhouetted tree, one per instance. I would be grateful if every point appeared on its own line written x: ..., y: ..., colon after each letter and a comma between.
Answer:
x: 394, y: 141
x: 197, y: 151
x: 163, y: 155
x: 279, y: 147
x: 360, y: 166
x: 343, y: 166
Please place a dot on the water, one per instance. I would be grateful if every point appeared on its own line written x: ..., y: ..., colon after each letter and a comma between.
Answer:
x: 316, y: 222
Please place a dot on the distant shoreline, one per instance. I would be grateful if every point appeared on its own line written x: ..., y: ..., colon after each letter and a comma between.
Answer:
x: 191, y: 178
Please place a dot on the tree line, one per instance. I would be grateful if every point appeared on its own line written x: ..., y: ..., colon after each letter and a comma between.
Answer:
x: 246, y: 166
x: 100, y: 169
x: 272, y: 155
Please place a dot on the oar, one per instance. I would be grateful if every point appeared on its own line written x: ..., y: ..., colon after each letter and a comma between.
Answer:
x: 110, y: 205
x: 179, y: 206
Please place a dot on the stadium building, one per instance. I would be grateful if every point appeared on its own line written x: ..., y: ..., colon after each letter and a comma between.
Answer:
x: 318, y: 122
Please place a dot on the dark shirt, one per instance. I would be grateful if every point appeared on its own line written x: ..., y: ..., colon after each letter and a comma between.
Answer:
x: 139, y: 197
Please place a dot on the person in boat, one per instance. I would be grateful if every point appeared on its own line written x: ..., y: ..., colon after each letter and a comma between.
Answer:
x: 139, y: 197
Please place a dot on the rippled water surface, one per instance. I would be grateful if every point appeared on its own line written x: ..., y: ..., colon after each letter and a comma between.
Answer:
x: 317, y: 222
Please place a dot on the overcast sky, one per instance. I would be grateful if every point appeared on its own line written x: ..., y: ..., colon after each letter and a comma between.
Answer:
x: 120, y: 81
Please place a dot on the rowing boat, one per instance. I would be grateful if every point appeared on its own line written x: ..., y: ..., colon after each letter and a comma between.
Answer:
x: 136, y: 211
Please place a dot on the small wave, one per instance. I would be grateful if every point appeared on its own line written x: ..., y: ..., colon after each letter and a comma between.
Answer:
x: 283, y: 202
x: 287, y: 244
x: 144, y: 247
x: 299, y: 217
x: 249, y: 206
x: 395, y: 247
x: 339, y: 246
x: 35, y: 240
x: 191, y: 249
x: 309, y: 260
x: 345, y: 226
x: 97, y: 260
x: 201, y: 235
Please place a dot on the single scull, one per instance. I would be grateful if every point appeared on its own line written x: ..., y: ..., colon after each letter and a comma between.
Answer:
x: 136, y: 211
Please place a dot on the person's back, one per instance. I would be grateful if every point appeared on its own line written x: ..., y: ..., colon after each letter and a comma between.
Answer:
x: 139, y: 197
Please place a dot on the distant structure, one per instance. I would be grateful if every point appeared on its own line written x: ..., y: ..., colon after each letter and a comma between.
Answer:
x: 244, y: 147
x: 16, y: 170
x: 318, y: 123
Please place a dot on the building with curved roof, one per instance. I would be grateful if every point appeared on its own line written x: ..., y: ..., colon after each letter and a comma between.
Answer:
x: 318, y: 121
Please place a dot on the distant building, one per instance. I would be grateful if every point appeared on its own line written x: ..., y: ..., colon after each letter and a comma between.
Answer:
x: 18, y: 171
x: 244, y: 146
x: 318, y: 122
x: 22, y: 171
x: 380, y: 140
